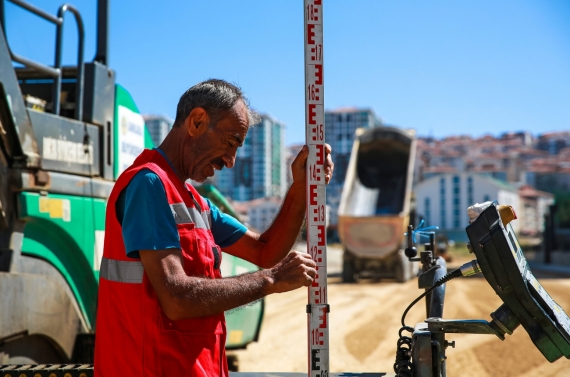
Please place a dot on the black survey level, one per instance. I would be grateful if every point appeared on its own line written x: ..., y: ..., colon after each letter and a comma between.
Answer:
x: 505, y: 268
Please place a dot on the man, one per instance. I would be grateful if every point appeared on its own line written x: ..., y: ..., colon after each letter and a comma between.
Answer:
x: 161, y: 294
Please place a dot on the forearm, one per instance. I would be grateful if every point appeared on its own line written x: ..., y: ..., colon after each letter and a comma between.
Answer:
x: 182, y: 296
x: 191, y: 296
x: 283, y: 232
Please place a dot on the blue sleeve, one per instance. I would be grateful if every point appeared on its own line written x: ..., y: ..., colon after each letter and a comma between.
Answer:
x: 226, y: 229
x: 146, y: 218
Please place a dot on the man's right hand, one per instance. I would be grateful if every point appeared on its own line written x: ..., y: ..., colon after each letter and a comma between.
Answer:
x: 297, y: 269
x: 182, y: 296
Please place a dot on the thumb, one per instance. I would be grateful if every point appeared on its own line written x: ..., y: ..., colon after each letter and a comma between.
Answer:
x: 301, y: 158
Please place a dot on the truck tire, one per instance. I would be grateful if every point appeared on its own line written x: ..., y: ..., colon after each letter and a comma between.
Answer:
x: 233, y: 362
x: 399, y: 272
x: 348, y: 271
x: 31, y: 349
x: 402, y: 269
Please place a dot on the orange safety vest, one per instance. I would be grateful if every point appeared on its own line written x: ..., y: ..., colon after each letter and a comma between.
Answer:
x: 134, y: 337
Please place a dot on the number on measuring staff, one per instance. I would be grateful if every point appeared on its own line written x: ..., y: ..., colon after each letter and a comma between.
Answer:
x: 315, y: 173
x: 313, y: 92
x: 318, y: 133
x: 317, y: 337
x: 313, y: 11
x: 317, y: 52
x: 319, y: 213
x: 316, y: 253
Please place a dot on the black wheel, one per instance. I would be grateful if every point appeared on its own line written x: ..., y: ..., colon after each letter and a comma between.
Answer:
x: 399, y: 272
x: 32, y: 349
x: 348, y: 271
x: 402, y: 269
x: 233, y: 363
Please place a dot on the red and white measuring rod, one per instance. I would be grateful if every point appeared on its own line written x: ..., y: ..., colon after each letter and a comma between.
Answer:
x: 317, y: 309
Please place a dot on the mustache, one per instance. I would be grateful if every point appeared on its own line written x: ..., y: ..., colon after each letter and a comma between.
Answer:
x: 218, y: 162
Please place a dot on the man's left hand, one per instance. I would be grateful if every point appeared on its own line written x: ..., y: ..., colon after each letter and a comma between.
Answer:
x: 329, y: 165
x: 299, y: 165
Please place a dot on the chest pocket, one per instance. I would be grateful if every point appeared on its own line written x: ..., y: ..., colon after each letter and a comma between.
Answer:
x: 202, y: 257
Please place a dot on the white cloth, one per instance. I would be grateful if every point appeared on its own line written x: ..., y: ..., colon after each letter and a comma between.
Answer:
x: 476, y: 209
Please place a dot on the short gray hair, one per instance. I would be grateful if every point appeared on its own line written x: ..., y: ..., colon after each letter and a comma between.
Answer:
x: 216, y: 97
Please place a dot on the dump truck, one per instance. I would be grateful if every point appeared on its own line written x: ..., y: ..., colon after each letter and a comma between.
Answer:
x: 66, y: 133
x: 375, y: 204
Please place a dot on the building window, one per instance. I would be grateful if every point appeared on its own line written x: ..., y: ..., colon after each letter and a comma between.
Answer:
x: 470, y: 200
x: 486, y: 198
x: 442, y: 202
x: 456, y: 202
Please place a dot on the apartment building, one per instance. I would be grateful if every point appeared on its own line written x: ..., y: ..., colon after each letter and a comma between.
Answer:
x: 259, y: 169
x: 340, y: 126
x: 158, y: 126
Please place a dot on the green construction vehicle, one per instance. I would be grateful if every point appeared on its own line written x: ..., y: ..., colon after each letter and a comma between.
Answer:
x: 66, y: 133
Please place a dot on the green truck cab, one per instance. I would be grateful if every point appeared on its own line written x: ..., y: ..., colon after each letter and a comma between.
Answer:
x: 66, y: 133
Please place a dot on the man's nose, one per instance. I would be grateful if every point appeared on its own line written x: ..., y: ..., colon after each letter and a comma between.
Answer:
x: 229, y: 160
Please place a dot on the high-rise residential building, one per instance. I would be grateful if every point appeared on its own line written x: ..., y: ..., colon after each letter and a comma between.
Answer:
x: 158, y: 126
x: 291, y: 153
x: 340, y: 125
x: 259, y: 169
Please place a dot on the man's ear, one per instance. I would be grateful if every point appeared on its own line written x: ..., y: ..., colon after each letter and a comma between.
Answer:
x: 197, y: 122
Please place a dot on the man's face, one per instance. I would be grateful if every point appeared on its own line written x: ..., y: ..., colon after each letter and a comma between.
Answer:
x: 217, y: 147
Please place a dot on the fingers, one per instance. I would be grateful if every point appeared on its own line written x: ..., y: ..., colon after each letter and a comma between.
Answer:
x: 307, y: 274
x: 300, y: 258
x: 329, y: 165
x: 296, y: 270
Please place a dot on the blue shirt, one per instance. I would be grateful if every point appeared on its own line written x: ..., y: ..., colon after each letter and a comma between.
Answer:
x: 147, y: 221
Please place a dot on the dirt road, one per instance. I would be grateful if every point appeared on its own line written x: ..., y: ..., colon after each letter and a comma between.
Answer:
x: 365, y: 319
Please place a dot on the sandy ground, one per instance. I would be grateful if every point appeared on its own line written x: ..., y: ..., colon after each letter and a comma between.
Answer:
x: 365, y: 319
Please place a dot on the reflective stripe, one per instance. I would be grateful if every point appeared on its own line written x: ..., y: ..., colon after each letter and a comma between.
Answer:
x: 195, y: 202
x: 208, y: 218
x: 180, y: 213
x: 186, y: 215
x: 121, y: 271
x: 200, y: 218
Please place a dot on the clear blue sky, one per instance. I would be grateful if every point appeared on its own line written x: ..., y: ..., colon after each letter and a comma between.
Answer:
x: 440, y: 67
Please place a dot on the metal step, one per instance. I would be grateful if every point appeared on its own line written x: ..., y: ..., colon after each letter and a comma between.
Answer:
x: 47, y: 370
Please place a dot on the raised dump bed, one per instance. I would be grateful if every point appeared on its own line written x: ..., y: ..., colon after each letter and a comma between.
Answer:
x: 375, y: 204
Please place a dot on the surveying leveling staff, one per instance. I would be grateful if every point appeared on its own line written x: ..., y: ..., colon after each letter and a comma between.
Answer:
x: 161, y: 294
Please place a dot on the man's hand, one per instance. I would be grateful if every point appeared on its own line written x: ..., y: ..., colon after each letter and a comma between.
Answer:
x: 329, y: 165
x: 269, y: 248
x: 297, y: 269
x: 299, y: 165
x: 182, y: 296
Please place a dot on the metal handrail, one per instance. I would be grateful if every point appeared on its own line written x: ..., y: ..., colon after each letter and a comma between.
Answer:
x: 55, y: 71
x: 58, y: 49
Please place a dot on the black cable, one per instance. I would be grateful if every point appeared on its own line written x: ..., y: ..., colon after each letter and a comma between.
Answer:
x: 402, y: 365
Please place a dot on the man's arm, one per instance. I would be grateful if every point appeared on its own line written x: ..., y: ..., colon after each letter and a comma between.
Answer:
x: 269, y: 248
x: 183, y: 296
